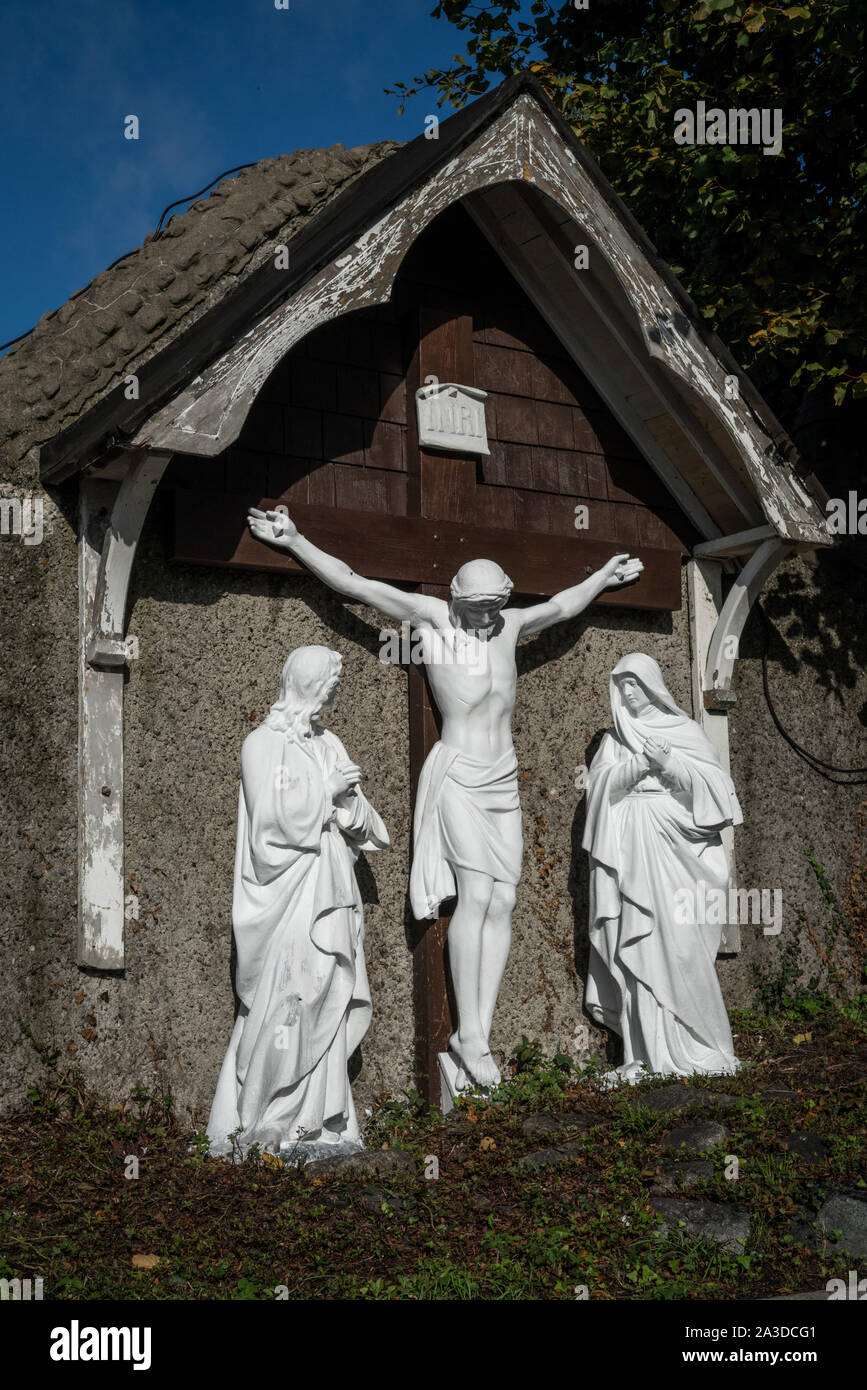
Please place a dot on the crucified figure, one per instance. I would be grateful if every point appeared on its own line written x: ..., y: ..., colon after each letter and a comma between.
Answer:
x: 467, y: 826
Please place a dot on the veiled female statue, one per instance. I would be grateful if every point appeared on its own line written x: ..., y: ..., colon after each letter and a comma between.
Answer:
x: 657, y: 799
x: 298, y: 927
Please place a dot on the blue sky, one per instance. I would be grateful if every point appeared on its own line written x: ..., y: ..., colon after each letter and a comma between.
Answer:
x: 215, y: 83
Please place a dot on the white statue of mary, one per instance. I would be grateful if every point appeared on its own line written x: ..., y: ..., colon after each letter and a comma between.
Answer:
x: 657, y: 799
x: 298, y: 926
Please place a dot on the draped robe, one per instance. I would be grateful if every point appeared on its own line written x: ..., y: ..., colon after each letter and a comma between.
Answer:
x: 652, y: 976
x: 298, y: 927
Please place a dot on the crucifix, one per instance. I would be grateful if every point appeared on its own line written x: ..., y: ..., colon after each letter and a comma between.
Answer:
x: 467, y: 820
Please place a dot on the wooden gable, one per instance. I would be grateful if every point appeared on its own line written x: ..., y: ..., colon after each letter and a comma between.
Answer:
x: 333, y: 433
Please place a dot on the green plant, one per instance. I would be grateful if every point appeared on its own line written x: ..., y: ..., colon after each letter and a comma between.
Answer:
x: 246, y: 1289
x: 780, y: 979
x: 769, y: 249
x: 844, y: 932
x: 527, y: 1056
x: 535, y: 1076
x: 200, y: 1146
x: 46, y: 1053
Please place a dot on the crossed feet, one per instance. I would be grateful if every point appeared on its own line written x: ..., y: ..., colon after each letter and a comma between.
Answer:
x: 475, y: 1056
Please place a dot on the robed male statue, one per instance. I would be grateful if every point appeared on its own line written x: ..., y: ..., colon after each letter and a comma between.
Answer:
x: 467, y: 825
x: 298, y: 924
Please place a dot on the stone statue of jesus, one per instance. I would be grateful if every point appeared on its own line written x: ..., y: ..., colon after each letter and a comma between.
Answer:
x: 467, y: 824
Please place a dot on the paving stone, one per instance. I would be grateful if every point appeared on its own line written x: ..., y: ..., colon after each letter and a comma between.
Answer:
x: 546, y: 1122
x: 536, y: 1125
x: 777, y: 1091
x: 547, y: 1158
x: 672, y: 1178
x: 848, y: 1215
x: 722, y: 1222
x: 457, y: 1127
x: 376, y: 1162
x: 672, y: 1100
x: 841, y: 1212
x: 806, y: 1146
x: 812, y: 1296
x: 697, y: 1138
x: 374, y: 1197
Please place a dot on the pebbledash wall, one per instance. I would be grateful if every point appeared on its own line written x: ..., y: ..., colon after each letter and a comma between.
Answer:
x: 212, y: 643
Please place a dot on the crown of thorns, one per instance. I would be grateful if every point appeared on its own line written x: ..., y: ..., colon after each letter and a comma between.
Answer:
x: 481, y: 595
x: 481, y: 598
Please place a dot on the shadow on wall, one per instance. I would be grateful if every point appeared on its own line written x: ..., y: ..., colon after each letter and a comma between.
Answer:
x: 637, y: 625
x: 821, y: 630
x: 635, y: 630
x: 202, y: 586
x: 579, y: 886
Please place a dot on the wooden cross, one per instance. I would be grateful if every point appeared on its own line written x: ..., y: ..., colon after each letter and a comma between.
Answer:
x: 438, y: 486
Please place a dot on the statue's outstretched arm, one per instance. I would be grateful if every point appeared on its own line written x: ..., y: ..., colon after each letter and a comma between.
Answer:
x: 277, y: 529
x: 619, y: 571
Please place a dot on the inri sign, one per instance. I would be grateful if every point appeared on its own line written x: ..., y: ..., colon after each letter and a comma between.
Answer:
x: 452, y: 417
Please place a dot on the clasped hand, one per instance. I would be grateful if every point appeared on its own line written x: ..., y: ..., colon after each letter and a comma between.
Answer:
x: 343, y: 780
x: 658, y: 752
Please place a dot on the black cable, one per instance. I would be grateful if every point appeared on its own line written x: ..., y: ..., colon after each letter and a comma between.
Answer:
x: 178, y: 201
x: 4, y: 346
x: 817, y: 764
x: 125, y: 255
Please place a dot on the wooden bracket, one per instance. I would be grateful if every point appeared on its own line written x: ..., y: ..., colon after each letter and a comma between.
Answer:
x: 704, y: 588
x: 724, y: 645
x: 742, y: 543
x: 110, y: 524
x: 715, y: 632
x: 719, y: 700
x: 107, y: 647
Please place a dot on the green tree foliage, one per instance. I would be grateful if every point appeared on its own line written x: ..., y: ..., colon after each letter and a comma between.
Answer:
x: 770, y: 247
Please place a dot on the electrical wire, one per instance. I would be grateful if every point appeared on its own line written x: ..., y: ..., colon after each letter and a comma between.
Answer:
x: 4, y: 346
x: 859, y: 774
x: 178, y: 201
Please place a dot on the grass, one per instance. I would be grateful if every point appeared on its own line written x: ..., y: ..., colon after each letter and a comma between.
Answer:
x: 486, y: 1228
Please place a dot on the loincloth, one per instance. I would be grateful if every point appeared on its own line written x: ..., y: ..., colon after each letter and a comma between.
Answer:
x: 467, y: 815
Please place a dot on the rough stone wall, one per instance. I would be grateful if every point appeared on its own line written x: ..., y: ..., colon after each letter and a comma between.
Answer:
x: 212, y: 645
x: 817, y: 676
x: 38, y: 760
